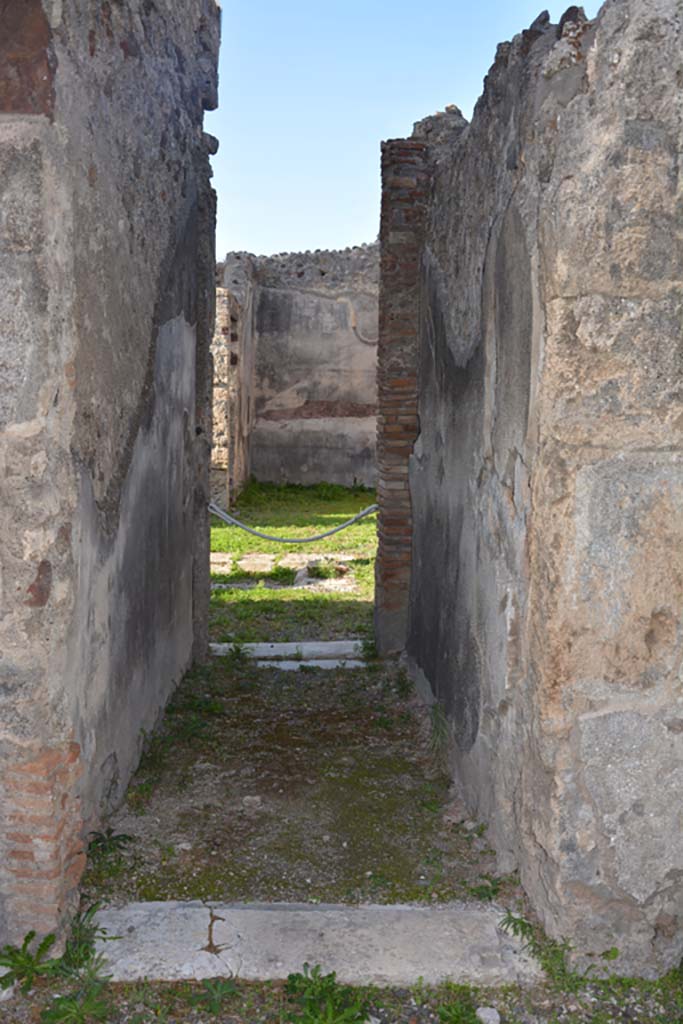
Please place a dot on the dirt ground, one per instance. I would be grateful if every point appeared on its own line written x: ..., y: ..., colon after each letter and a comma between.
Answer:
x: 316, y: 786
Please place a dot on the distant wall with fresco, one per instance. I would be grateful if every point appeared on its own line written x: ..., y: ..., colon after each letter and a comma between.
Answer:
x: 295, y: 369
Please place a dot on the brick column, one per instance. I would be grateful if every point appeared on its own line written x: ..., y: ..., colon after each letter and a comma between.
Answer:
x: 405, y: 184
x: 43, y: 852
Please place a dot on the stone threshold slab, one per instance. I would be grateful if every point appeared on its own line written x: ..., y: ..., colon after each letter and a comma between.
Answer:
x: 315, y: 650
x: 378, y: 945
x: 295, y: 666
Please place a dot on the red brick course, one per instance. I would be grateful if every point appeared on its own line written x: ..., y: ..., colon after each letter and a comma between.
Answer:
x: 26, y: 62
x: 405, y: 188
x: 43, y: 854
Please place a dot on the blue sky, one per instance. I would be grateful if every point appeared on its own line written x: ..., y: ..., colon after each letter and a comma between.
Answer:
x: 309, y: 88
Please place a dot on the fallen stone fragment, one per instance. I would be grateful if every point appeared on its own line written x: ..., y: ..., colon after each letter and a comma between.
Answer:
x: 252, y: 802
x: 487, y: 1015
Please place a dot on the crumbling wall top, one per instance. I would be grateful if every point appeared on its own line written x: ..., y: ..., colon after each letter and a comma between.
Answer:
x: 324, y: 269
x: 442, y: 127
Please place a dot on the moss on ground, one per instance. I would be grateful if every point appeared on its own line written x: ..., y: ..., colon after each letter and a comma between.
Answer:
x: 314, y: 786
x: 614, y: 1001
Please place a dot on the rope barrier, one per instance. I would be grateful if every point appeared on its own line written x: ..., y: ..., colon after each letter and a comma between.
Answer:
x: 231, y: 521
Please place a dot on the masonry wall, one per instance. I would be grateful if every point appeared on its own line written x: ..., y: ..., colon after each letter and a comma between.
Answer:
x: 308, y: 359
x: 106, y: 312
x: 405, y: 191
x: 234, y: 352
x: 547, y: 480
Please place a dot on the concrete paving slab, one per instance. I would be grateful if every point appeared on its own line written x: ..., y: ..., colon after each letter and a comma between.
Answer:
x: 256, y: 562
x: 380, y: 945
x: 298, y: 560
x: 220, y: 562
x: 316, y: 649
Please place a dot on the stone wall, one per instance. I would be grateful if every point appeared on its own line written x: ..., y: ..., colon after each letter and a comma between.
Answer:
x: 306, y: 349
x: 106, y: 312
x: 234, y: 351
x: 547, y: 480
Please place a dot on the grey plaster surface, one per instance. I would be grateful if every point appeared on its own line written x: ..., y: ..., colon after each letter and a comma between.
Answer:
x: 383, y: 945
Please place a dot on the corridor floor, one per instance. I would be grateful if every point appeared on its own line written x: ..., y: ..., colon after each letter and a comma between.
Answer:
x: 316, y: 786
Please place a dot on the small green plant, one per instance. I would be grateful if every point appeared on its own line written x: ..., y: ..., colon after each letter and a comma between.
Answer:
x: 237, y: 656
x: 487, y: 889
x: 439, y: 735
x: 139, y: 795
x: 103, y: 844
x: 149, y: 1006
x: 106, y: 858
x: 215, y: 992
x: 551, y: 955
x: 81, y: 1007
x: 88, y: 974
x: 23, y: 966
x: 403, y: 685
x: 420, y: 992
x: 461, y: 1011
x: 456, y: 1013
x: 322, y: 1000
x: 322, y: 571
x: 369, y: 649
x: 520, y: 928
x: 80, y: 946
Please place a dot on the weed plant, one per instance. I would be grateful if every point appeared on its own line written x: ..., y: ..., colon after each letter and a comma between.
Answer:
x: 319, y: 999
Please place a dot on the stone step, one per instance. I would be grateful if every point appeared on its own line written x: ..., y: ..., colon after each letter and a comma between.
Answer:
x: 315, y: 650
x: 295, y: 666
x: 365, y: 945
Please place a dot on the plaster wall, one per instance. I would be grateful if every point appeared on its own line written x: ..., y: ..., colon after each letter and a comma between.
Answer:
x: 106, y: 307
x: 547, y: 480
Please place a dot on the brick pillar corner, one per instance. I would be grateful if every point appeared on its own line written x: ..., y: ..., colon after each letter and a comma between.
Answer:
x: 405, y: 188
x: 41, y: 839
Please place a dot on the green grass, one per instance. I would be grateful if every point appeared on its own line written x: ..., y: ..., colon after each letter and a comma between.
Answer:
x: 290, y: 510
x: 278, y: 574
x: 264, y: 614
